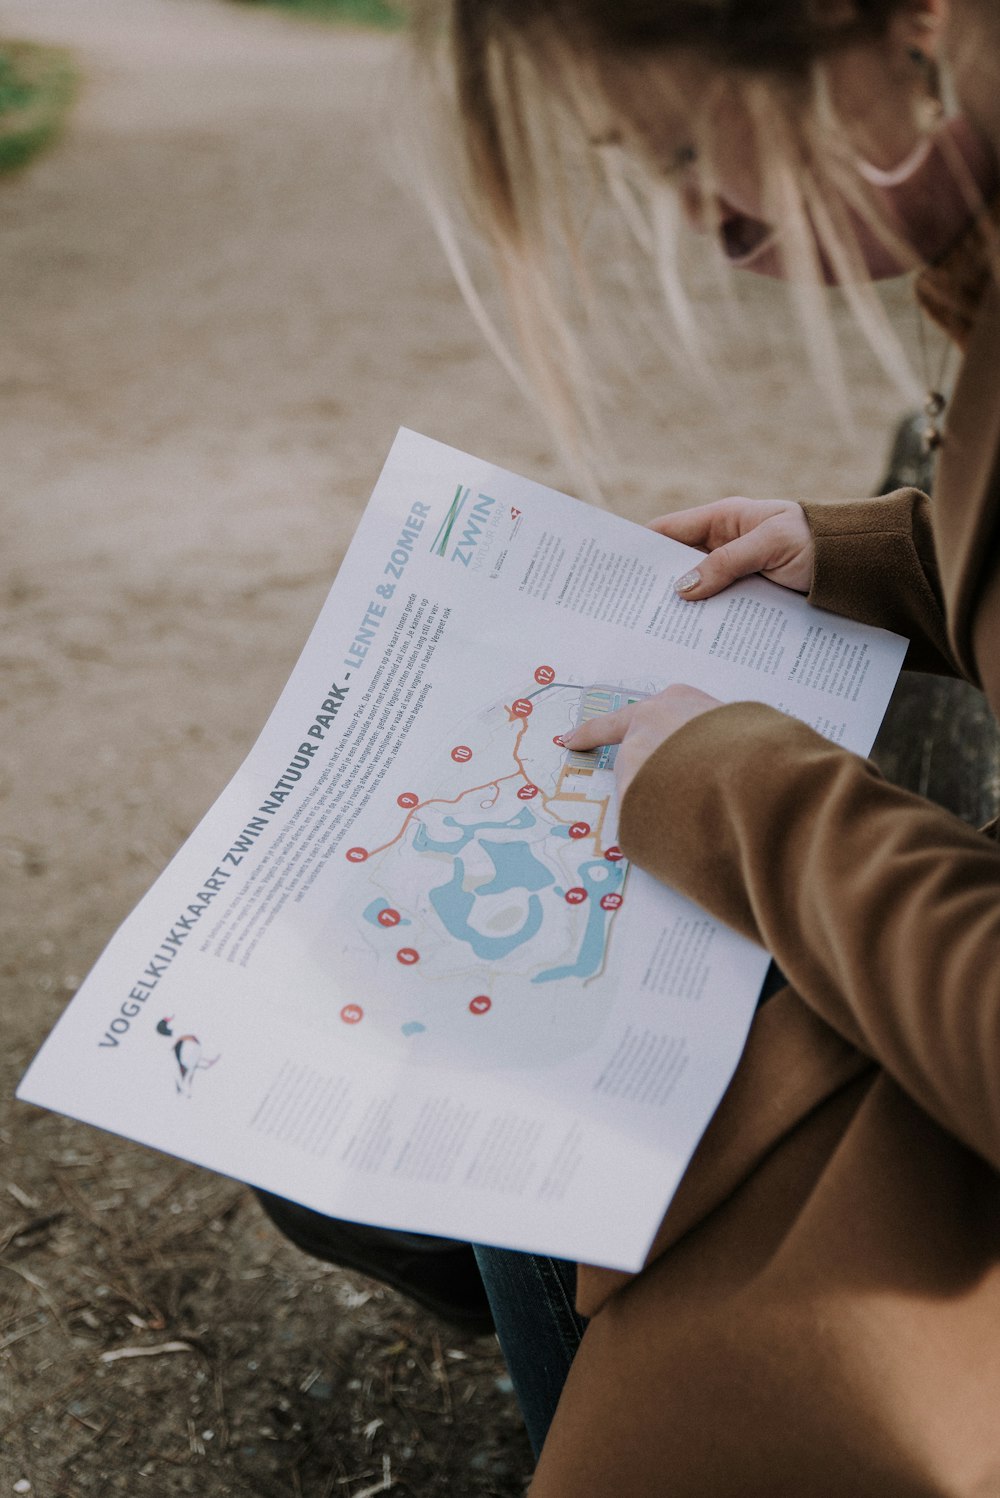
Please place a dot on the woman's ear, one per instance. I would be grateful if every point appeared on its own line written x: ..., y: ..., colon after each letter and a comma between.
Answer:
x: 919, y: 28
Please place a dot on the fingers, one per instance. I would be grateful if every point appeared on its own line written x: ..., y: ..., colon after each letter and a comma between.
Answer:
x: 698, y: 526
x: 739, y: 558
x: 606, y: 728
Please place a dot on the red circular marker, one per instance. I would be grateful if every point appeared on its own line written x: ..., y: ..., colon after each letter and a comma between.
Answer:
x: 559, y: 740
x: 527, y: 792
x: 352, y: 1014
x: 461, y: 754
x: 408, y: 800
x: 388, y: 917
x: 480, y: 1004
x: 407, y: 956
x: 611, y: 901
x: 576, y: 895
x: 356, y: 855
x: 580, y: 829
x: 522, y: 708
x: 614, y: 854
x: 545, y: 676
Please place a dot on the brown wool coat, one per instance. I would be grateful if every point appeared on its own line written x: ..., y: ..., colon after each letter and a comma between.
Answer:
x: 819, y: 1316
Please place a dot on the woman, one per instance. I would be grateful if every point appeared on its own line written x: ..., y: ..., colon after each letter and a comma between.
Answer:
x: 820, y: 1311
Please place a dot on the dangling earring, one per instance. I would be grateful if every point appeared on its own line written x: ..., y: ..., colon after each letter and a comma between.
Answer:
x: 931, y: 113
x: 930, y: 110
x: 935, y: 400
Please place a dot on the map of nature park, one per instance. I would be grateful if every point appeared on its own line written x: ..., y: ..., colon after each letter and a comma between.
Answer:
x: 439, y: 993
x: 500, y: 882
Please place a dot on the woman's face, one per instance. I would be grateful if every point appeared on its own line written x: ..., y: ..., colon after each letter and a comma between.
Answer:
x: 924, y: 182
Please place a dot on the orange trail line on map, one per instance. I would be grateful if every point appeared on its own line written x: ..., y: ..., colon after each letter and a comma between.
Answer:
x: 546, y: 799
x: 496, y: 783
x: 454, y: 800
x: 440, y: 801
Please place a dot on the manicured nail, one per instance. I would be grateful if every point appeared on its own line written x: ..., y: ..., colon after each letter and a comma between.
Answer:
x: 687, y: 582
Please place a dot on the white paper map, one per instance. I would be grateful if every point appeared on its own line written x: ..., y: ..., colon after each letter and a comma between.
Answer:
x: 498, y: 872
x: 402, y: 971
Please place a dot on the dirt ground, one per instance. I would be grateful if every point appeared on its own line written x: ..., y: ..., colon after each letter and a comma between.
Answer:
x: 218, y: 304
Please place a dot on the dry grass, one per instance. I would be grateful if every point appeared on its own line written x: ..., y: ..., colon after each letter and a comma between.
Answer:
x: 157, y: 1335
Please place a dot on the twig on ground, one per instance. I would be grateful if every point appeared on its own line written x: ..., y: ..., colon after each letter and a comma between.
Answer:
x: 146, y: 1352
x: 22, y: 1198
x: 388, y: 1481
x: 27, y: 1331
x: 36, y: 1284
x: 440, y: 1368
x: 28, y: 1228
x: 221, y: 1417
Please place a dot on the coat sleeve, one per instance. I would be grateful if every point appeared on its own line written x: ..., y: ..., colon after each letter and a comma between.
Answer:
x: 882, y: 910
x: 876, y: 563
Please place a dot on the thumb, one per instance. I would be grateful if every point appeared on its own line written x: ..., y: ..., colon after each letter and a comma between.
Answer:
x: 747, y: 554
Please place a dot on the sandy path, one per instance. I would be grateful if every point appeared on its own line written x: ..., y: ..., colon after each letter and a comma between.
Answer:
x: 216, y: 308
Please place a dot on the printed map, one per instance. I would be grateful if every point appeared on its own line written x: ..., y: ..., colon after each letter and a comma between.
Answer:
x: 500, y: 878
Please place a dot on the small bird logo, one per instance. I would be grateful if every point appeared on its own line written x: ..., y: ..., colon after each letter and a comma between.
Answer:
x: 188, y: 1054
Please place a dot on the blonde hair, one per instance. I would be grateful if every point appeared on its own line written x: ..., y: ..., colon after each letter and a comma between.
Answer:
x: 518, y: 81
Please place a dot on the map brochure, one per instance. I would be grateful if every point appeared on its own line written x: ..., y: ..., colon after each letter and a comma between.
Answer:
x: 402, y: 971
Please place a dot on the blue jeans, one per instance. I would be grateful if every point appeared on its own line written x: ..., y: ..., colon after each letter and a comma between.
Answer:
x: 532, y: 1298
x: 532, y: 1302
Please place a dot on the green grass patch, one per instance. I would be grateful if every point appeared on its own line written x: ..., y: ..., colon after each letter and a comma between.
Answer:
x: 36, y: 89
x: 381, y: 13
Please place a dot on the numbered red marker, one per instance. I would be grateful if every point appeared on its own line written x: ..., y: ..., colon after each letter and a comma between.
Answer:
x: 480, y: 1004
x: 545, y: 676
x: 408, y: 800
x: 614, y: 854
x: 388, y: 917
x: 611, y: 902
x: 576, y: 895
x: 527, y: 793
x: 559, y: 741
x: 352, y: 1014
x: 461, y: 754
x: 522, y: 708
x: 356, y: 855
x: 407, y: 956
x: 580, y: 829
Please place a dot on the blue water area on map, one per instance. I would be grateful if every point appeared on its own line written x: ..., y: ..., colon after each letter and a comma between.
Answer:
x: 516, y: 868
x: 413, y: 1027
x: 371, y: 913
x: 598, y: 877
x: 424, y: 843
x: 454, y: 905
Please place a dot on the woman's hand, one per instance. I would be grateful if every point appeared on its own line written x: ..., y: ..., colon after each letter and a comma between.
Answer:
x: 641, y: 728
x: 769, y: 536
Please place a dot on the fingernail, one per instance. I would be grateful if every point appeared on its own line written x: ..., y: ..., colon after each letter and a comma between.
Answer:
x: 687, y: 582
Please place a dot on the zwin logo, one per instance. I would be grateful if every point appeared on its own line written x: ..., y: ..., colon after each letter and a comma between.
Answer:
x: 463, y: 526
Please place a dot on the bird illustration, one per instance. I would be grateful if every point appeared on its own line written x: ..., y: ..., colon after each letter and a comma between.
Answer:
x: 187, y: 1051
